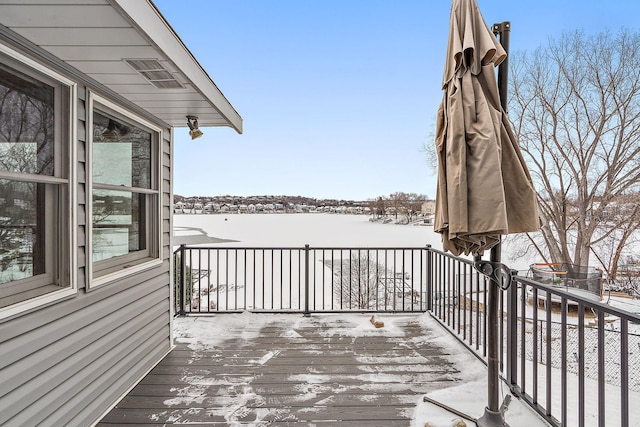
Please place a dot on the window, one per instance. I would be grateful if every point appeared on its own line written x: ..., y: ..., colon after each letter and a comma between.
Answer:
x: 125, y: 196
x: 35, y: 197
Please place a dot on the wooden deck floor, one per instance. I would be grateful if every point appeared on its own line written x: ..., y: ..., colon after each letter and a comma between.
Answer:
x: 286, y: 370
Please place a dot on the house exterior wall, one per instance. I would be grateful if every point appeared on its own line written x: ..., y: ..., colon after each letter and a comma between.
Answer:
x: 70, y: 360
x: 428, y: 207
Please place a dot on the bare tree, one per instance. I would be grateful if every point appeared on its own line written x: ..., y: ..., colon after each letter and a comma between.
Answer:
x: 401, y: 205
x: 610, y: 249
x: 26, y: 147
x: 414, y: 204
x: 359, y: 281
x: 398, y: 202
x: 379, y: 207
x: 575, y: 105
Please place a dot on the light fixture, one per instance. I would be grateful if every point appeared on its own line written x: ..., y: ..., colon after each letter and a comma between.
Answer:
x: 192, y: 122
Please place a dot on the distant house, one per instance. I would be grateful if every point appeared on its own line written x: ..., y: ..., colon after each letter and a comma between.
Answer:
x: 428, y: 207
x: 92, y: 92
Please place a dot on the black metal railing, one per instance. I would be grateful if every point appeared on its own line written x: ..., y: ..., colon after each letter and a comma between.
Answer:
x: 570, y: 356
x: 300, y: 279
x: 573, y: 358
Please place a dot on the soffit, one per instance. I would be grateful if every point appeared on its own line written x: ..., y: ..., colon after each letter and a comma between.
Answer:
x: 97, y: 36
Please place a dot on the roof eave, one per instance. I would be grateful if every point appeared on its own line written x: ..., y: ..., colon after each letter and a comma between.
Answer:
x: 148, y: 19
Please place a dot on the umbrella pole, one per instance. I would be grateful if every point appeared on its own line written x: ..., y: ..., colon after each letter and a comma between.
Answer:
x: 503, y: 30
x: 494, y: 414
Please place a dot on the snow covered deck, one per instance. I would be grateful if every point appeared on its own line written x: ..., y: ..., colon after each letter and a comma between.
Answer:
x: 334, y: 370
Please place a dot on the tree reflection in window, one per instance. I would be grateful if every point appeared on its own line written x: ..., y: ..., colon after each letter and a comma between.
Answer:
x: 27, y: 141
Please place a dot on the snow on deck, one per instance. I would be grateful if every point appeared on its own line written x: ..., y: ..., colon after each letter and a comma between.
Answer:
x: 333, y: 370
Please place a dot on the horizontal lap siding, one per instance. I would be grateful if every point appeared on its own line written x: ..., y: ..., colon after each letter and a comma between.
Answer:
x: 67, y: 363
x: 48, y: 371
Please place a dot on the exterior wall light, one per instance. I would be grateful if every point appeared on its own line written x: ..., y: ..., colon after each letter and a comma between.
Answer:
x: 192, y: 122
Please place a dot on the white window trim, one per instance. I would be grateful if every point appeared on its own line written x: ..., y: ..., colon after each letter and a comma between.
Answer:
x: 72, y: 289
x: 96, y: 282
x: 172, y: 304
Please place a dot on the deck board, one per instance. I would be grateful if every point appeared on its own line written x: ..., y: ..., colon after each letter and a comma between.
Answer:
x: 292, y: 372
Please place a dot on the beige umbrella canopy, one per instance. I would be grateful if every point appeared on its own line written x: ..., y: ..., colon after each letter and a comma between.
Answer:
x: 484, y: 188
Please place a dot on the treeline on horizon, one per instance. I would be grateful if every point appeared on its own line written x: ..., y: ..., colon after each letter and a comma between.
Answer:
x: 394, y: 199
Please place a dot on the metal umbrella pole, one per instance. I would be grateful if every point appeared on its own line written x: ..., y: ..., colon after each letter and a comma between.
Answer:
x: 494, y: 414
x: 502, y: 31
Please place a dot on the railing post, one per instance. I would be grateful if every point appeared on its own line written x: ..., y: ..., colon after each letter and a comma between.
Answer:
x: 512, y: 336
x: 429, y: 279
x: 307, y: 313
x: 183, y: 278
x: 624, y: 369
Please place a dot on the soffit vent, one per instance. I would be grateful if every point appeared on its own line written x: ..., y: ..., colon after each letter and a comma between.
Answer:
x: 153, y: 71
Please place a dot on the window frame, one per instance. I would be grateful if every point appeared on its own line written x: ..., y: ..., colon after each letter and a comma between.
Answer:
x: 116, y: 268
x: 65, y: 263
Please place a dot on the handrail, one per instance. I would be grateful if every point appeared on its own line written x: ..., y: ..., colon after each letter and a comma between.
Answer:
x: 318, y: 248
x: 301, y: 279
x: 580, y: 299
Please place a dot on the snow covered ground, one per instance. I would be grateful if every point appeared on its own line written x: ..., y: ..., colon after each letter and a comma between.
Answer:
x: 300, y: 229
x: 468, y: 395
x: 324, y: 230
x: 316, y: 229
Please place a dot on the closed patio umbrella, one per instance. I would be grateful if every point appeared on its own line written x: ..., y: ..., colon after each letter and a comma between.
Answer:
x: 484, y: 188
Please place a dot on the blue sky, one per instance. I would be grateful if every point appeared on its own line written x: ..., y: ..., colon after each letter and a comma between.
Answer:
x: 338, y: 97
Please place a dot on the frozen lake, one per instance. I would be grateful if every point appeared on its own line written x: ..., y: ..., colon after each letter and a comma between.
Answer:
x: 317, y: 229
x: 314, y: 229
